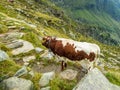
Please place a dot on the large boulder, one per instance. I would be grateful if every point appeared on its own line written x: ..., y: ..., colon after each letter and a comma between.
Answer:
x: 95, y: 80
x: 15, y: 83
x: 27, y: 46
x: 46, y: 78
x: 3, y: 55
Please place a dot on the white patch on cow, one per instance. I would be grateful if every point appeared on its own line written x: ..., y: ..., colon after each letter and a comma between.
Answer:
x: 65, y: 41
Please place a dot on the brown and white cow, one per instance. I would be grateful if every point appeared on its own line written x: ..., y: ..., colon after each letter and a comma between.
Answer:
x: 84, y: 52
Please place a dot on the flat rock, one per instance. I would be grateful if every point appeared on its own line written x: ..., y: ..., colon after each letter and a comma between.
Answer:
x: 28, y: 58
x: 3, y: 55
x: 46, y: 78
x: 15, y: 83
x: 27, y: 46
x: 68, y: 74
x: 12, y: 27
x: 95, y: 80
x: 11, y: 36
x: 14, y: 45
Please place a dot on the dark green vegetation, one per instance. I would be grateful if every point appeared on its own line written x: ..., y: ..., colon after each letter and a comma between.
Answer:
x: 38, y: 18
x: 97, y: 18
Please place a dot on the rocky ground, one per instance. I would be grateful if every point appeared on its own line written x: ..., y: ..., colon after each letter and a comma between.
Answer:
x: 26, y: 65
x: 32, y: 60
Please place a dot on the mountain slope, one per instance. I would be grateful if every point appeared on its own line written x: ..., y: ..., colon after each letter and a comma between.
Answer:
x: 102, y: 15
x: 30, y: 20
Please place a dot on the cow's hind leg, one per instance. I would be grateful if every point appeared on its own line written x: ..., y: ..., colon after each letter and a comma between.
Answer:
x: 63, y: 65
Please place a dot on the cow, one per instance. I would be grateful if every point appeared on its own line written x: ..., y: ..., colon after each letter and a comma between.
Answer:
x: 86, y: 53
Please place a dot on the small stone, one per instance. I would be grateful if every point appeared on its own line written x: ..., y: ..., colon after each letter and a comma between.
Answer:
x: 3, y: 55
x: 45, y: 88
x: 21, y: 71
x: 47, y: 54
x: 32, y: 73
x: 38, y: 50
x: 12, y: 27
x: 28, y: 58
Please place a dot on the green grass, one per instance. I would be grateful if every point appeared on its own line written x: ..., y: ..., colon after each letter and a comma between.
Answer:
x: 60, y: 84
x: 33, y: 38
x: 8, y: 67
x: 113, y: 77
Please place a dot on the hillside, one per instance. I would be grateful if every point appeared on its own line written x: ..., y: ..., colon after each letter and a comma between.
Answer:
x: 23, y: 58
x: 102, y: 18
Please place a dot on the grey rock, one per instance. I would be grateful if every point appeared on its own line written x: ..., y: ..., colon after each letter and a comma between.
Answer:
x: 38, y: 50
x: 13, y: 35
x: 27, y: 46
x: 47, y: 54
x: 95, y: 80
x: 3, y: 55
x: 32, y: 73
x: 46, y: 78
x: 21, y: 72
x: 28, y: 58
x: 68, y: 74
x: 12, y: 27
x: 45, y: 88
x: 15, y: 83
x: 14, y: 45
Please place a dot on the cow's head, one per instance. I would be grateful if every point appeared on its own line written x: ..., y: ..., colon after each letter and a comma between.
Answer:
x: 46, y: 41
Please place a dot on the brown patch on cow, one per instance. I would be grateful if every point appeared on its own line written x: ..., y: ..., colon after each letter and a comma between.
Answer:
x: 72, y: 54
x: 59, y: 50
x: 91, y: 56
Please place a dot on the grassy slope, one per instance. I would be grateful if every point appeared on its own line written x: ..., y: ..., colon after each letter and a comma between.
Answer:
x: 34, y: 19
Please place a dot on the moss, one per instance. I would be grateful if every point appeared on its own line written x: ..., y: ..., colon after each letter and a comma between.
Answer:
x: 60, y: 84
x: 35, y: 81
x: 3, y: 47
x: 8, y: 67
x: 113, y: 77
x: 3, y: 29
